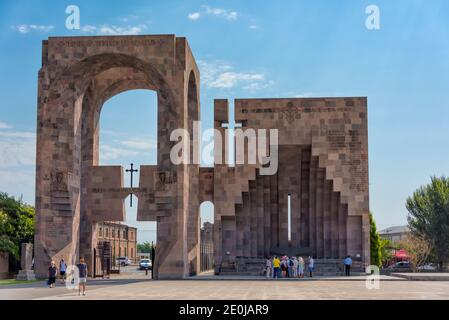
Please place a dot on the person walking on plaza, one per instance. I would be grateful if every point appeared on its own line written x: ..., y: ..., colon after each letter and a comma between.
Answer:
x: 276, y: 267
x: 82, y: 268
x: 52, y: 272
x: 62, y: 270
x: 301, y: 266
x: 348, y: 263
x: 268, y: 267
x: 311, y: 266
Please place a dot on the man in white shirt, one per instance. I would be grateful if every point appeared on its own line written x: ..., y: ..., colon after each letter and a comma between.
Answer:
x: 62, y: 270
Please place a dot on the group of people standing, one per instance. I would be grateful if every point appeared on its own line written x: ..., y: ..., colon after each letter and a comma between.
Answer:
x: 288, y: 267
x: 82, y: 274
x: 295, y: 267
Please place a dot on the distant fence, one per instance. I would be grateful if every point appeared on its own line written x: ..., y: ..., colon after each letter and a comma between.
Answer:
x: 206, y: 257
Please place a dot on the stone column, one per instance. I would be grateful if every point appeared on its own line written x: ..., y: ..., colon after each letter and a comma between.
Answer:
x: 26, y: 263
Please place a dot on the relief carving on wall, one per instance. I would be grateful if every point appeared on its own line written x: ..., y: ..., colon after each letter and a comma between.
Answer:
x: 165, y: 178
x: 59, y: 181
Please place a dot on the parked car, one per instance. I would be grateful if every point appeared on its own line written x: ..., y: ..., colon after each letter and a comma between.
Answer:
x: 123, y: 261
x: 428, y: 267
x: 145, y: 264
x: 401, y: 266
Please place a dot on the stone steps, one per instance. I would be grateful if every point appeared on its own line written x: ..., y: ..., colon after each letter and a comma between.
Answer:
x: 256, y: 267
x: 61, y: 201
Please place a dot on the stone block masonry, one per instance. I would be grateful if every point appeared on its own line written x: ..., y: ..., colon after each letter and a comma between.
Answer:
x: 316, y: 203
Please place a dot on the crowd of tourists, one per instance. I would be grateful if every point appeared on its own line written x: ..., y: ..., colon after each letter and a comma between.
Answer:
x: 82, y: 275
x: 295, y: 267
x: 288, y: 267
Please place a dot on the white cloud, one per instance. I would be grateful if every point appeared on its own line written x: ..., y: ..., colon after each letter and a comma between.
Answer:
x: 210, y: 70
x: 304, y: 95
x: 17, y: 134
x: 257, y: 86
x: 128, y: 30
x: 17, y: 148
x: 17, y: 162
x: 108, y: 153
x: 4, y: 125
x: 140, y: 144
x: 229, y: 15
x: 253, y: 27
x: 26, y: 28
x: 111, y: 133
x: 219, y: 74
x: 210, y: 11
x: 18, y: 182
x: 115, y: 30
x: 194, y: 16
x: 230, y: 79
x: 89, y: 29
x: 128, y: 18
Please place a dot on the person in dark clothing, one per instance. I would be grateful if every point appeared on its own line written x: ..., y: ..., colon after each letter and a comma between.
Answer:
x: 52, y: 272
x: 348, y: 263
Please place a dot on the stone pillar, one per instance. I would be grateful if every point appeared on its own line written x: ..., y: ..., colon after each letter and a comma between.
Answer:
x: 304, y: 197
x: 327, y: 196
x: 221, y: 116
x: 319, y: 212
x: 267, y: 215
x: 26, y: 263
x: 312, y: 205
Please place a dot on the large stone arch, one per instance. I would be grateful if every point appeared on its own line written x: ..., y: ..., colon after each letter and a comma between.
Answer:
x: 78, y: 75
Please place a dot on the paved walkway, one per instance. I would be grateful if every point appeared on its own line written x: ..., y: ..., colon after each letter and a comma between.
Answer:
x: 422, y: 276
x: 316, y: 278
x: 231, y: 289
x: 132, y: 284
x: 227, y: 290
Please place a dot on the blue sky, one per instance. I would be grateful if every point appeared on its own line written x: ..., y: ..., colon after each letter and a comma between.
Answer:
x: 254, y: 49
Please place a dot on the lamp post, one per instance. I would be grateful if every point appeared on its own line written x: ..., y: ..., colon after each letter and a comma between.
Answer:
x: 119, y: 247
x: 152, y: 259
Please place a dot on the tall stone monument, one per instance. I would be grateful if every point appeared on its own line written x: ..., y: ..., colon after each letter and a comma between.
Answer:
x: 316, y: 203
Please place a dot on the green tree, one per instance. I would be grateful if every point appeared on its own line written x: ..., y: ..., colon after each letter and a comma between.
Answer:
x: 375, y: 243
x: 16, y: 224
x: 386, y: 248
x: 428, y: 216
x: 417, y: 248
x: 144, y: 247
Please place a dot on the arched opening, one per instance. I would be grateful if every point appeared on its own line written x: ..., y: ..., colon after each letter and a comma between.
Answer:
x: 128, y: 135
x: 84, y: 76
x: 207, y: 237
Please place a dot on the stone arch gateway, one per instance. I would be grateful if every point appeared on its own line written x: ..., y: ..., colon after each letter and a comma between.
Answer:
x: 323, y: 163
x: 72, y: 192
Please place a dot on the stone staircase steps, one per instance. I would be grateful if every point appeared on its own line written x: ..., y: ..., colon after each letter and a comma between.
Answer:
x: 256, y: 266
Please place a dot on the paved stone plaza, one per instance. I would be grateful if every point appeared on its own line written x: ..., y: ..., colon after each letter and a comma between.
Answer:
x: 324, y: 288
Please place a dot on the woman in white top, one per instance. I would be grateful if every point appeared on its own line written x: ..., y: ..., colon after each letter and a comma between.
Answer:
x: 268, y: 268
x: 295, y: 267
x: 301, y: 266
